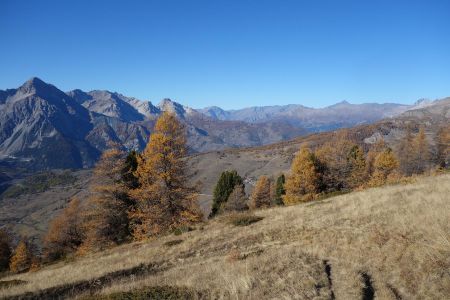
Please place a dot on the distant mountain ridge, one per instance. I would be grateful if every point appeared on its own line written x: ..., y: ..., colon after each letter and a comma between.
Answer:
x: 342, y: 114
x: 42, y: 127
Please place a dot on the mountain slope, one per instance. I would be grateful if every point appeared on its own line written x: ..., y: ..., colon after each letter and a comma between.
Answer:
x: 204, y: 134
x: 389, y: 242
x: 37, y: 122
x: 42, y: 127
x: 115, y: 105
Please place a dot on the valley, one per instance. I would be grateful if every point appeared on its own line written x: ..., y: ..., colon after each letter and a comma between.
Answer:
x: 30, y: 213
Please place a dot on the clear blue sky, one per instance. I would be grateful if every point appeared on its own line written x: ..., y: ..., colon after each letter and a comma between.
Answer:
x: 232, y: 53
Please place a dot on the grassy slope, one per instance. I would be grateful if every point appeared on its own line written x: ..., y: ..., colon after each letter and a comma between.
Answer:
x: 395, y: 239
x: 29, y: 213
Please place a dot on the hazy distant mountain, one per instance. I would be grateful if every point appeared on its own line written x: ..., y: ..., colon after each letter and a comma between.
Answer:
x: 204, y: 134
x: 430, y: 112
x: 342, y: 114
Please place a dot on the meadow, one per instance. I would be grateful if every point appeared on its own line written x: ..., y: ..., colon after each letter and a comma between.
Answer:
x: 391, y: 242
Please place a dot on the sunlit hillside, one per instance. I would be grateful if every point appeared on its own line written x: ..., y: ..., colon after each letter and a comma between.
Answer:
x: 391, y: 242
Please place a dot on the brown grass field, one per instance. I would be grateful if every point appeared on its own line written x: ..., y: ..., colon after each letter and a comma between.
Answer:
x: 391, y: 242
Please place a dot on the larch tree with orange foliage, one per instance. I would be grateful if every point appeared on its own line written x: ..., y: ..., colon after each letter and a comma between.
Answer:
x: 65, y: 233
x: 261, y: 195
x: 357, y: 162
x: 106, y: 219
x: 22, y: 258
x: 422, y: 152
x: 442, y: 140
x: 385, y: 166
x: 406, y: 153
x: 375, y: 149
x: 164, y: 200
x: 304, y: 182
x: 335, y: 159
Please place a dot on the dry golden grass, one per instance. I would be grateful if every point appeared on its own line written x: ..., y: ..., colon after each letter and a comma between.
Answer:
x: 398, y: 236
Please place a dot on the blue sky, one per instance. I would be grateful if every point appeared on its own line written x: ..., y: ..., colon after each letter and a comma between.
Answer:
x: 232, y: 53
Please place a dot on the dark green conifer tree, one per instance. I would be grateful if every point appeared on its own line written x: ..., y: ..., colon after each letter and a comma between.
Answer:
x: 280, y: 190
x: 223, y: 189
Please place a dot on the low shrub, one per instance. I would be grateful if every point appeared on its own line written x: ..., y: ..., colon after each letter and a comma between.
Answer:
x: 244, y: 219
x: 10, y: 283
x: 182, y: 229
x: 173, y: 243
x: 154, y: 292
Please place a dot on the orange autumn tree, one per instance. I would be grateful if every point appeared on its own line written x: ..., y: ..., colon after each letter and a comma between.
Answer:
x: 106, y: 219
x: 385, y: 166
x: 422, y: 153
x: 304, y: 182
x: 376, y: 148
x: 261, y: 196
x: 22, y: 259
x: 414, y: 152
x: 65, y: 234
x: 334, y: 156
x: 357, y: 162
x: 164, y: 200
x: 442, y: 141
x: 406, y: 152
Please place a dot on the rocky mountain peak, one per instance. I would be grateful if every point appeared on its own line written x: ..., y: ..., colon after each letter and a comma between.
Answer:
x: 172, y: 107
x: 34, y: 81
x: 423, y: 102
x: 79, y: 95
x: 343, y: 103
x: 48, y: 93
x: 35, y: 85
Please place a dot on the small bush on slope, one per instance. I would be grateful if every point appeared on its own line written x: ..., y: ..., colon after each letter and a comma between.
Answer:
x: 243, y: 219
x: 154, y: 292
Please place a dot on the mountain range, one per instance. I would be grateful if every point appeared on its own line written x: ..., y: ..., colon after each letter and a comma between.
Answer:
x: 342, y: 114
x: 42, y: 127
